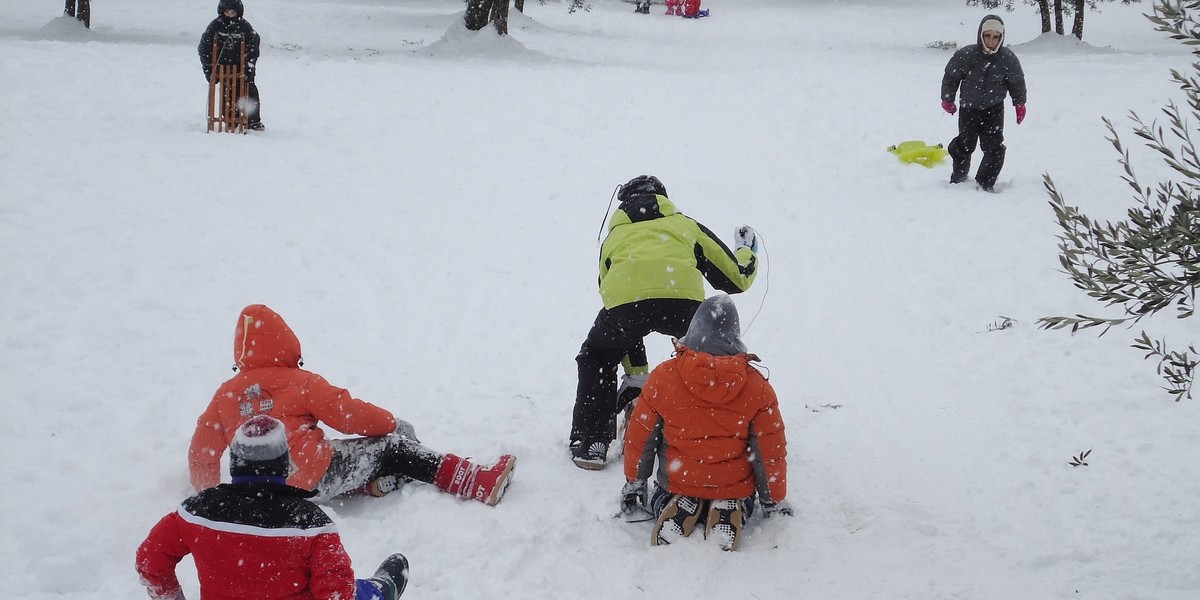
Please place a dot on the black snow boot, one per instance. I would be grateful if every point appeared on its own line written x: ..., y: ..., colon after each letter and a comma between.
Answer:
x: 392, y: 576
x: 590, y: 454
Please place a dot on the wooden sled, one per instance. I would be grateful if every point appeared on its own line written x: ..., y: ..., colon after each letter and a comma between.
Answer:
x: 227, y: 94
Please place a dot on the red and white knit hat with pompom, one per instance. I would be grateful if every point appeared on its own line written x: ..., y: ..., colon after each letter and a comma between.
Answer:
x: 259, y: 449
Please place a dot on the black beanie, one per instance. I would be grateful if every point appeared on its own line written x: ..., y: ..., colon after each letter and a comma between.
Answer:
x: 225, y: 5
x: 259, y: 451
x: 641, y: 185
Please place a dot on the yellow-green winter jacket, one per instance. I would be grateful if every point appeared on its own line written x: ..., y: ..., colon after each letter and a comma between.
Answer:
x: 654, y: 251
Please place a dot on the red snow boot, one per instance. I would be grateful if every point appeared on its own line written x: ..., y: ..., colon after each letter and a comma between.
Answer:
x: 466, y: 479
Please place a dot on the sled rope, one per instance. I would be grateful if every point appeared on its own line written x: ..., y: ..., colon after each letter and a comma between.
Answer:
x: 603, y: 221
x: 766, y: 282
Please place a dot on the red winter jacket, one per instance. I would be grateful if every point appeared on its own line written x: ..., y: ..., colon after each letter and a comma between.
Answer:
x: 270, y: 381
x: 262, y: 541
x: 713, y: 424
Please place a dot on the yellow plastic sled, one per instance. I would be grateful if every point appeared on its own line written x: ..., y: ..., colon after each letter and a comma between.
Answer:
x: 915, y: 151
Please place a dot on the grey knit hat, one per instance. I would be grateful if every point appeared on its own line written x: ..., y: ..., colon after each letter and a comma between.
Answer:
x: 715, y: 328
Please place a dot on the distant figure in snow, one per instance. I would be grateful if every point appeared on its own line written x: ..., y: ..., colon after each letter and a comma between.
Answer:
x: 270, y: 381
x: 642, y: 7
x: 258, y: 537
x: 712, y: 422
x: 653, y: 266
x: 229, y: 31
x: 691, y: 9
x: 675, y: 8
x: 986, y: 72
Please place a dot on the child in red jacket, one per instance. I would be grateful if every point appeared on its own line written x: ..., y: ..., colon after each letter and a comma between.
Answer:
x: 271, y: 382
x: 258, y: 537
x: 712, y: 423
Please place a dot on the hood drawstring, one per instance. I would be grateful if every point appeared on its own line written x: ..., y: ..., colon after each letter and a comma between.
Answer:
x: 247, y: 321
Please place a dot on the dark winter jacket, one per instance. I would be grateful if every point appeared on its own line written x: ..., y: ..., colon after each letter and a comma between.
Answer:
x: 654, y: 251
x: 249, y: 540
x: 984, y: 79
x: 229, y: 36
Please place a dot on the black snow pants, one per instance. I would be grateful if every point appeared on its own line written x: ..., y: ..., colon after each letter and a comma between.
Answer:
x: 360, y: 460
x: 985, y: 126
x: 253, y: 111
x: 616, y: 333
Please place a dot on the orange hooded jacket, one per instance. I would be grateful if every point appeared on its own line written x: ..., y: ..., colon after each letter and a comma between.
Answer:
x: 711, y: 421
x: 270, y: 381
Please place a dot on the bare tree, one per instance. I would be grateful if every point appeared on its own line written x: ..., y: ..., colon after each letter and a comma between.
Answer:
x: 1070, y: 7
x: 1078, y: 6
x: 80, y: 9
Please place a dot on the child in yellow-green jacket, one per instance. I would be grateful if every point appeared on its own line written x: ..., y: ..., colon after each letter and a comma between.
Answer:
x: 653, y: 266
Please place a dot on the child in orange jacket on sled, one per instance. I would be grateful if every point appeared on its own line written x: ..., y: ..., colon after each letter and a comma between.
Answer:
x: 711, y: 422
x: 270, y: 381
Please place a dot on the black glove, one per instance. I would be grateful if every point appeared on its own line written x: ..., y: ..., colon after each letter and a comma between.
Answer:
x: 630, y: 388
x: 405, y: 429
x: 777, y: 508
x: 633, y: 495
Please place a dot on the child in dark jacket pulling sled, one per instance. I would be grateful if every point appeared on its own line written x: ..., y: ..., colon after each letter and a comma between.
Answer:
x: 982, y: 74
x: 227, y: 35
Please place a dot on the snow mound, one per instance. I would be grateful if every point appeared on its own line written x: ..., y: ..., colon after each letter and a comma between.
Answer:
x: 1053, y: 43
x: 64, y: 29
x: 460, y: 42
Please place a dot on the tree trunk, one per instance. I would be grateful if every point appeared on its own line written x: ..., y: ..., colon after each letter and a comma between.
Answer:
x: 477, y: 15
x: 1077, y: 28
x: 1044, y: 10
x: 85, y: 13
x: 1058, y: 20
x: 519, y: 5
x: 499, y: 16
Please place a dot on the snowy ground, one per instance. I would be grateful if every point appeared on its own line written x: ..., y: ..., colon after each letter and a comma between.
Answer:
x: 423, y: 209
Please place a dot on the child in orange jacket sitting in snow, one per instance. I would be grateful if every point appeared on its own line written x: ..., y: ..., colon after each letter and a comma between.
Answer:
x: 712, y: 422
x: 270, y: 381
